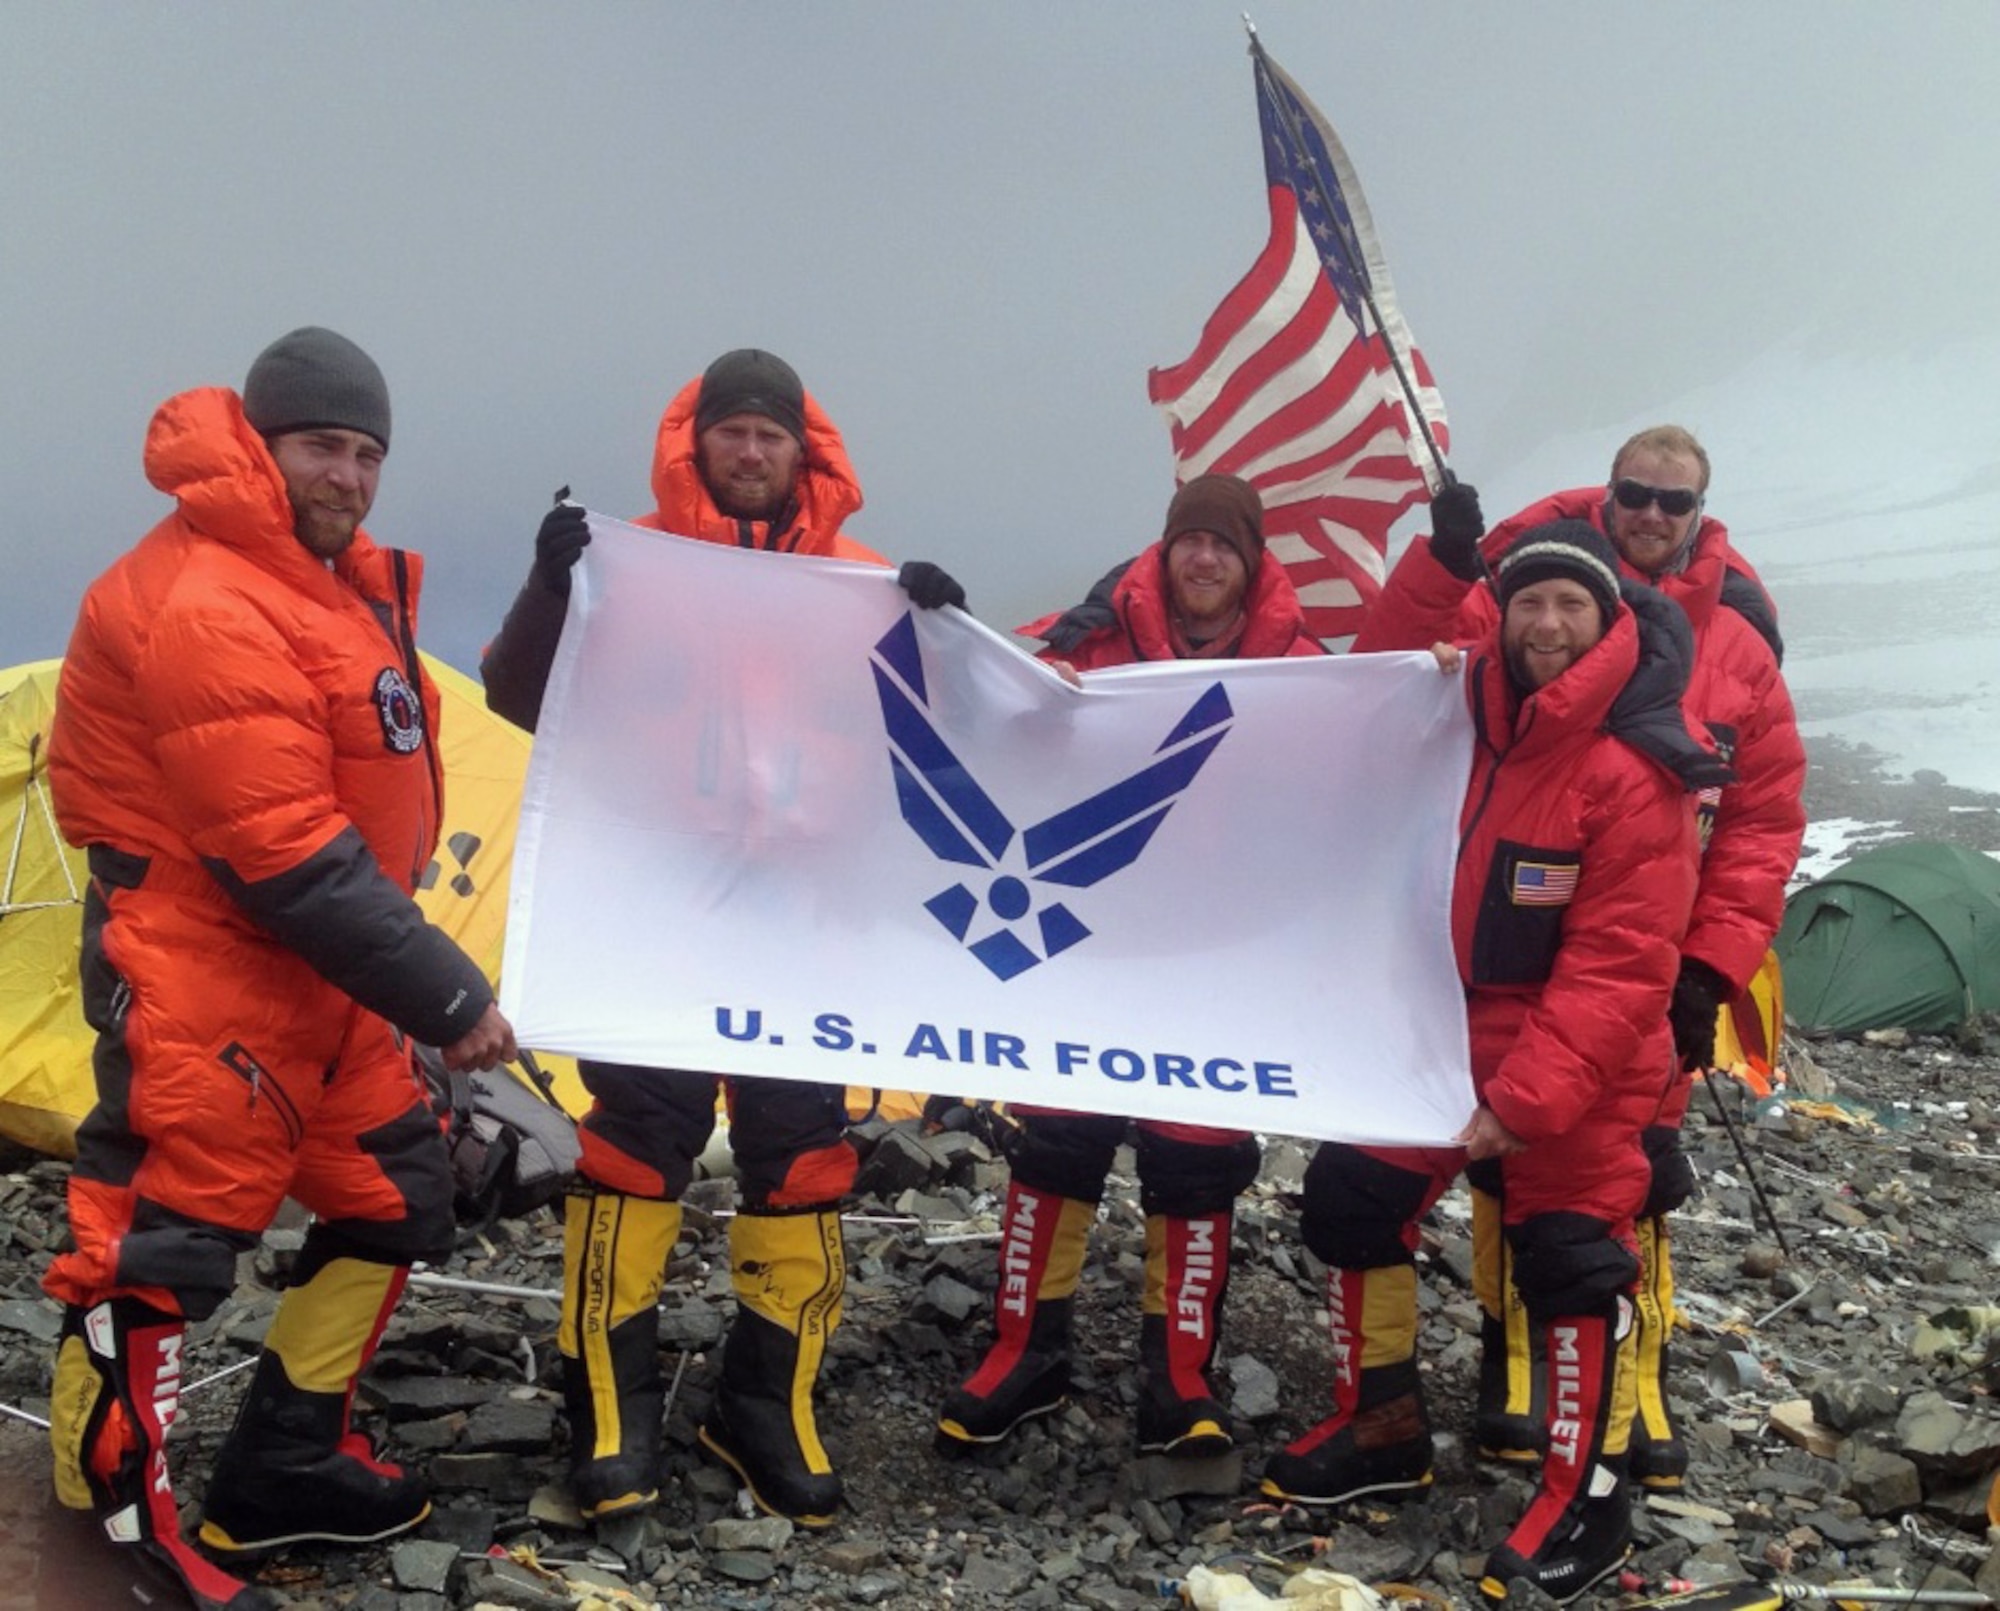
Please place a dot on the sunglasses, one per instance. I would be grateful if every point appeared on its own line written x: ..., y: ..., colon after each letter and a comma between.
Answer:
x: 1674, y: 501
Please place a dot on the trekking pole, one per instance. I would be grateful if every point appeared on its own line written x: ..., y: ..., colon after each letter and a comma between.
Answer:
x: 1749, y: 1169
x: 1781, y: 1592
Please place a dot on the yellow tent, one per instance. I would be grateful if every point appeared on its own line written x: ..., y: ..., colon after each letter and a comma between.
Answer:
x: 1749, y: 1031
x: 45, y: 1079
x: 45, y: 1084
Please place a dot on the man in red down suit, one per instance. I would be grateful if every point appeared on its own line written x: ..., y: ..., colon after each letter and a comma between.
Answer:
x: 1653, y: 510
x: 1576, y: 873
x: 1205, y: 590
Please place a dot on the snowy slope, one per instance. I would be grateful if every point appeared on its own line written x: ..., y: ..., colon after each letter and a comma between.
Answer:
x: 1867, y: 493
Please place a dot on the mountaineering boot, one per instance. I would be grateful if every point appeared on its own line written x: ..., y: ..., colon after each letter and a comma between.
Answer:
x: 1508, y: 1424
x: 789, y: 1271
x: 1187, y: 1275
x: 1378, y: 1439
x: 1659, y: 1458
x: 1577, y: 1530
x: 1025, y: 1373
x: 615, y: 1252
x: 293, y: 1468
x: 115, y: 1394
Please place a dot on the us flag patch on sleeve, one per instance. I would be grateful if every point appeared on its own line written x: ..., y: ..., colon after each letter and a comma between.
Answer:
x: 1542, y: 883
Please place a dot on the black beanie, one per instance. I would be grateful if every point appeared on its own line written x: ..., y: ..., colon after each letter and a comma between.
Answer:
x: 752, y: 381
x: 1572, y: 549
x: 1224, y: 504
x: 313, y: 378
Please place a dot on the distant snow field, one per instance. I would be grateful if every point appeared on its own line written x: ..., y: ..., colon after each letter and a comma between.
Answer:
x: 1837, y: 840
x: 1864, y: 485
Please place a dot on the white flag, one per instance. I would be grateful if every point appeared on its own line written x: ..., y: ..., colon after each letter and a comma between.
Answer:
x: 779, y: 823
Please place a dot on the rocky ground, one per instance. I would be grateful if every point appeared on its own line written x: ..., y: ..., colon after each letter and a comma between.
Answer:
x: 1847, y: 1430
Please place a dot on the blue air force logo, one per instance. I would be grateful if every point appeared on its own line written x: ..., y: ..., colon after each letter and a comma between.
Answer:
x: 1013, y: 919
x: 402, y: 712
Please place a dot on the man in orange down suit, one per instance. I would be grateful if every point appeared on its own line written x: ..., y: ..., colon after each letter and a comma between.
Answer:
x: 245, y: 744
x: 744, y: 456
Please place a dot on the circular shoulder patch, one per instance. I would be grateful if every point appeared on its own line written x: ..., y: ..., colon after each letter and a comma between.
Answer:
x: 402, y: 712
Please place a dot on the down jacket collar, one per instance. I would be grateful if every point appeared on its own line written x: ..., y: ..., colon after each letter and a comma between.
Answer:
x: 1131, y: 600
x: 828, y: 492
x: 205, y: 455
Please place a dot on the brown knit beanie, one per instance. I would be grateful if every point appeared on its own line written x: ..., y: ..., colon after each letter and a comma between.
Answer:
x: 1224, y: 504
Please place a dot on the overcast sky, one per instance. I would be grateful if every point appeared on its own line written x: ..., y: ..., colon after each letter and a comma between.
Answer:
x: 972, y: 229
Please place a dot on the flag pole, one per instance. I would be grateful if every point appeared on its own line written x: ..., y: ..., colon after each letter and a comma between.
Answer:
x: 1262, y: 66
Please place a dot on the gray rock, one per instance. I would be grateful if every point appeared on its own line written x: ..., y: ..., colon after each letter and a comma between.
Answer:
x: 467, y: 1527
x: 1254, y: 1392
x: 933, y: 1210
x: 1944, y: 1440
x: 632, y: 1537
x: 1005, y: 1577
x: 1712, y: 1564
x: 1988, y: 1580
x: 1883, y: 1483
x: 900, y: 1162
x: 1159, y: 1529
x: 1848, y: 1402
x: 851, y: 1557
x: 1694, y: 1531
x: 510, y: 1426
x: 1847, y: 1532
x: 1159, y: 1476
x: 744, y: 1565
x: 770, y: 1534
x: 416, y: 1438
x: 40, y: 1319
x: 422, y: 1398
x: 497, y: 1581
x: 1061, y: 1566
x: 693, y: 1326
x: 422, y: 1564
x: 949, y: 1300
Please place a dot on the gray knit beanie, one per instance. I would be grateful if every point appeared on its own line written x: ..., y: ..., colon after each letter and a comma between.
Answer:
x: 313, y: 378
x: 752, y: 381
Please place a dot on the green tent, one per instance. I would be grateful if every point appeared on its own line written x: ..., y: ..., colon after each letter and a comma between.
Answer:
x: 1907, y: 935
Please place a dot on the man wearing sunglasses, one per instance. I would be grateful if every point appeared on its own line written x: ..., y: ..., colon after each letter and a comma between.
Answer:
x: 1653, y: 507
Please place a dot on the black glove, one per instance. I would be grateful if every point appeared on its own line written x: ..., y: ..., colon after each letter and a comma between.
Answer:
x: 1456, y: 527
x: 930, y: 586
x: 564, y: 535
x: 1698, y: 993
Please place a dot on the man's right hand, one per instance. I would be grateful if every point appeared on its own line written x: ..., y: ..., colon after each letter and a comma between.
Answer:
x: 1456, y: 528
x: 1486, y: 1137
x: 488, y: 1044
x: 564, y: 535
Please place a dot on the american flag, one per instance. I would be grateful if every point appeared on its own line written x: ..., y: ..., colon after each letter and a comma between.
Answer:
x: 1540, y: 883
x: 1294, y: 386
